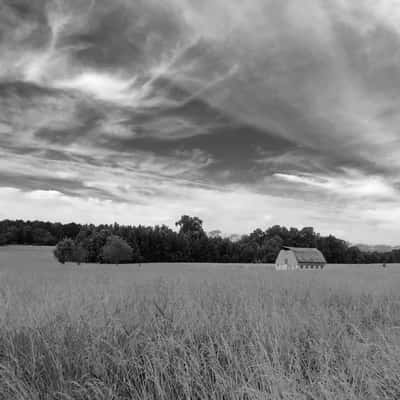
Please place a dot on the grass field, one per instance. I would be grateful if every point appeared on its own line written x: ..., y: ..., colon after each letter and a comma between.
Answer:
x: 196, y: 331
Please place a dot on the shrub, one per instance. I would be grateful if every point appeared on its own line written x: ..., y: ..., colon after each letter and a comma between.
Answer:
x: 80, y: 254
x: 116, y: 251
x: 65, y: 251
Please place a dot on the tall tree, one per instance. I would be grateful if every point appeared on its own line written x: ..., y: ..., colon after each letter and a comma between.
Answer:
x: 191, y: 226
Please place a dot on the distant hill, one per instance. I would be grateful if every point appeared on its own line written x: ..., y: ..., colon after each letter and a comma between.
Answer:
x: 380, y: 248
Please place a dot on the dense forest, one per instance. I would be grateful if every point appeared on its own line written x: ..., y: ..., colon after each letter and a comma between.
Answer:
x: 190, y: 243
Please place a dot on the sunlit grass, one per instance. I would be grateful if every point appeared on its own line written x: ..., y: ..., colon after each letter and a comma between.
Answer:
x: 196, y: 331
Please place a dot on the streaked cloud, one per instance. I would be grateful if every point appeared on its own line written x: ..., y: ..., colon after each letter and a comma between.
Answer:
x: 204, y: 107
x: 352, y: 184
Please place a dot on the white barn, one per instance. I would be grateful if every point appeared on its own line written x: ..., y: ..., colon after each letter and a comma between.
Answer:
x: 296, y: 258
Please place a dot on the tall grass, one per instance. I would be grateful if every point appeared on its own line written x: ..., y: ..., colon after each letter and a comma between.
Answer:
x: 98, y: 333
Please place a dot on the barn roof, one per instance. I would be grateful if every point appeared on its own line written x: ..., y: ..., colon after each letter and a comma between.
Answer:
x: 307, y: 255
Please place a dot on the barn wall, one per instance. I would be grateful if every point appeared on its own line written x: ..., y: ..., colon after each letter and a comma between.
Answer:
x: 311, y: 265
x: 286, y: 260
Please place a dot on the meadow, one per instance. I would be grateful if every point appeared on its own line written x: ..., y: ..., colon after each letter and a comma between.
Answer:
x: 196, y: 331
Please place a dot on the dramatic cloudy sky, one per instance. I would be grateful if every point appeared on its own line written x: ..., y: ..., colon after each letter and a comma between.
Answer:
x: 244, y: 113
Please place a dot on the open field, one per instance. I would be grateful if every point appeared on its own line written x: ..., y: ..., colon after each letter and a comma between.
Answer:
x: 196, y: 331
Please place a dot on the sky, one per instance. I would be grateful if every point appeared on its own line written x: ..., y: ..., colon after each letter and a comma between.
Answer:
x: 244, y: 113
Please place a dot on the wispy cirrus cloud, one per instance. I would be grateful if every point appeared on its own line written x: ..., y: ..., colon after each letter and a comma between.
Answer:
x: 350, y: 184
x: 157, y: 102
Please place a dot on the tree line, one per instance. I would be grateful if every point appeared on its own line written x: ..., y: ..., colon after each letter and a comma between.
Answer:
x: 36, y: 232
x: 189, y: 243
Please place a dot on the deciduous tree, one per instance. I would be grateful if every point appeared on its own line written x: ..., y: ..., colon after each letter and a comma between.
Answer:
x: 117, y: 251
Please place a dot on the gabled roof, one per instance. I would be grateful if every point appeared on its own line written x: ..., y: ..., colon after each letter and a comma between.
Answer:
x: 307, y: 255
